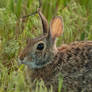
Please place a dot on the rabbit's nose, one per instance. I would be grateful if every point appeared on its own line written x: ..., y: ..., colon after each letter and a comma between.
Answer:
x: 21, y: 58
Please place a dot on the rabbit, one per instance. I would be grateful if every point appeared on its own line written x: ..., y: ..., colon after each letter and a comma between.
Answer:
x: 46, y: 61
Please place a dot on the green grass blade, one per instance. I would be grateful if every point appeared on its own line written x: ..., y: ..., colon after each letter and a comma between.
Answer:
x: 18, y: 7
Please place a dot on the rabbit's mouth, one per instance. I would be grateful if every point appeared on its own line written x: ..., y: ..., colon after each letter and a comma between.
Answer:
x: 37, y: 60
x: 34, y: 64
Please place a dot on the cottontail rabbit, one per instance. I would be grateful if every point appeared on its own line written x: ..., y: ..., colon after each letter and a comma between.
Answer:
x: 46, y: 62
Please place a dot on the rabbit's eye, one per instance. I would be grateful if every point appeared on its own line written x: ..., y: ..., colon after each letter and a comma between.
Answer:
x: 40, y: 46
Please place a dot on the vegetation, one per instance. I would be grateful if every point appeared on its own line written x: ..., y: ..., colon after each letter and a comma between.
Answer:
x: 77, y: 17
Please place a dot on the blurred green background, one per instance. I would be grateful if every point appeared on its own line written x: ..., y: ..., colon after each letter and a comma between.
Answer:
x: 77, y: 18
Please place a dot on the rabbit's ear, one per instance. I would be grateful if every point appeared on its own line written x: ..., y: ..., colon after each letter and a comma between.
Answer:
x: 44, y: 22
x: 56, y: 27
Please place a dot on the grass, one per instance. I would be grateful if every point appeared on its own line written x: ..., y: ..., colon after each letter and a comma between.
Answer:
x: 77, y: 17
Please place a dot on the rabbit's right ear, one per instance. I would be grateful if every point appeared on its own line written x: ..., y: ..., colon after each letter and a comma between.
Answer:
x: 56, y: 27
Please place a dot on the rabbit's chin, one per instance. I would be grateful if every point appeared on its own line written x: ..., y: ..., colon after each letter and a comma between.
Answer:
x: 33, y: 65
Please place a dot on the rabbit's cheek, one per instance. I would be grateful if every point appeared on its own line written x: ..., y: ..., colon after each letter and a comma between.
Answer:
x: 29, y: 59
x: 38, y: 54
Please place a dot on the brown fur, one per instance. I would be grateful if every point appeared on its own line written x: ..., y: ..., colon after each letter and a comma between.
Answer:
x: 74, y: 61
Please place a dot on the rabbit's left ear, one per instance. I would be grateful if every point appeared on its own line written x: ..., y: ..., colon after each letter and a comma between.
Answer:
x: 56, y: 27
x: 44, y: 22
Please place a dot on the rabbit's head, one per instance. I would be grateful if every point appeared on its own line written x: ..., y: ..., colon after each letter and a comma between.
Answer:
x: 40, y: 51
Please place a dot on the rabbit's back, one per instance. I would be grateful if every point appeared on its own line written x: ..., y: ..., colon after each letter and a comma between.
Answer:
x: 77, y: 66
x: 76, y: 57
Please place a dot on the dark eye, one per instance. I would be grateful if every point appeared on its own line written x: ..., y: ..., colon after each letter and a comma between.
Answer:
x: 40, y: 46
